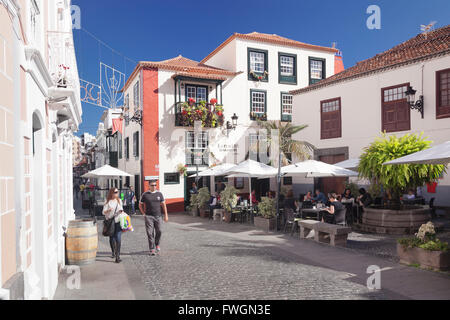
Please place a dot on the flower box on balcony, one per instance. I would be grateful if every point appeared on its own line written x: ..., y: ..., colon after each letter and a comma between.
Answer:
x: 258, y: 116
x: 210, y: 114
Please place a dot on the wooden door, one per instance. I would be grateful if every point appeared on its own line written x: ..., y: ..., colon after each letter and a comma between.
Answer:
x: 332, y: 184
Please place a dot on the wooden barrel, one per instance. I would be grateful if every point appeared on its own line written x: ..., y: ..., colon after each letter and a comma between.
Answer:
x: 81, y: 242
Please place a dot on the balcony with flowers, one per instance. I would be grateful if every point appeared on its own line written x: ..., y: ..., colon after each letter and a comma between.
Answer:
x: 210, y: 114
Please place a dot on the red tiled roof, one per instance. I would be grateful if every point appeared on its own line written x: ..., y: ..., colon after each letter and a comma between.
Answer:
x: 419, y: 48
x: 269, y: 38
x: 185, y: 67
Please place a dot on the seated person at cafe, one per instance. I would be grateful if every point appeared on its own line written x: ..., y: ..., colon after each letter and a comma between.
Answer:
x: 364, y: 199
x: 253, y: 201
x: 329, y: 215
x: 308, y: 196
x: 214, y: 202
x: 410, y: 195
x: 320, y: 197
x: 347, y: 196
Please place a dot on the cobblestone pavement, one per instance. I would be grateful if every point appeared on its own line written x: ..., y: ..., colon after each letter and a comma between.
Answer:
x: 203, y: 264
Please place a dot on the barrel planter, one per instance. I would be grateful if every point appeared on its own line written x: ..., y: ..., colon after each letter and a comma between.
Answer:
x: 81, y: 242
x: 436, y: 260
x: 264, y: 224
x: 204, y: 213
x: 387, y: 221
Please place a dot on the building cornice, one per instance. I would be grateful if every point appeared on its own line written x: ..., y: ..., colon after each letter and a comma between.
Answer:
x: 33, y: 54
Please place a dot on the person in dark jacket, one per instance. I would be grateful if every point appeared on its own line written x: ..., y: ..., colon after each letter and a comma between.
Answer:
x: 364, y: 199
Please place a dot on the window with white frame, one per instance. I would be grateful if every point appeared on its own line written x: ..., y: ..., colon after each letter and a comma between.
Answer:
x: 316, y: 70
x: 286, y: 104
x: 257, y: 61
x: 198, y: 93
x: 258, y: 99
x: 191, y: 92
x: 286, y: 66
x: 136, y: 94
x: 201, y: 94
x: 197, y: 148
x: 394, y: 94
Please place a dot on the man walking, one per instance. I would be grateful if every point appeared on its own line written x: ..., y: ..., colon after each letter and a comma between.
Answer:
x: 150, y: 206
x: 130, y: 199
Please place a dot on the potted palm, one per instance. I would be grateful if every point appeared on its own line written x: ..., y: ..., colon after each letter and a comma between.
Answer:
x: 193, y: 207
x: 228, y: 200
x: 202, y: 201
x: 267, y: 213
x: 395, y: 218
x: 424, y: 249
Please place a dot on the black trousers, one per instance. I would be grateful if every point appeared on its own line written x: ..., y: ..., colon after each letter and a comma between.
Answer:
x: 327, y: 217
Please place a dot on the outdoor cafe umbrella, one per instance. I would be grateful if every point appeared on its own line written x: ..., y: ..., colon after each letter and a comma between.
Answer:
x: 251, y: 169
x: 106, y: 172
x: 351, y: 164
x: 214, y: 171
x: 316, y: 169
x: 439, y: 154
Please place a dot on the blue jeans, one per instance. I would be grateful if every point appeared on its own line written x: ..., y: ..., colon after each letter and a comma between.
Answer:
x: 116, y: 239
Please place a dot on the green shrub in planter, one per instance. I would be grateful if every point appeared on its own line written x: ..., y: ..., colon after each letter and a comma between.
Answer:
x: 228, y: 198
x: 425, y: 239
x: 397, y: 179
x: 267, y: 208
x: 203, y: 197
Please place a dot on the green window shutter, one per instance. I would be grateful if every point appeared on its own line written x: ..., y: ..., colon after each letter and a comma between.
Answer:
x: 283, y: 79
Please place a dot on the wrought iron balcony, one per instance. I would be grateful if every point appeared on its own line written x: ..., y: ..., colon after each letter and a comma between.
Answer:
x: 62, y: 62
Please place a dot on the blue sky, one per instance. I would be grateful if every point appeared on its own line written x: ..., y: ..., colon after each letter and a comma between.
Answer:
x: 157, y: 30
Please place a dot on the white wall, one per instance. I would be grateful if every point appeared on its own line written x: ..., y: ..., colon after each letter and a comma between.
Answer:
x: 361, y: 108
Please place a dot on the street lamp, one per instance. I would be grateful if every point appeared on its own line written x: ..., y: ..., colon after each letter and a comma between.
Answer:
x: 410, y: 98
x: 233, y: 124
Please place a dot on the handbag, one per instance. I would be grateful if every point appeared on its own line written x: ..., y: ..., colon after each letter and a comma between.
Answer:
x: 109, y: 226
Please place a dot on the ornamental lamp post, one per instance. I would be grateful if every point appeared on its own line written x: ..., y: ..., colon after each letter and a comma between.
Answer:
x: 410, y: 98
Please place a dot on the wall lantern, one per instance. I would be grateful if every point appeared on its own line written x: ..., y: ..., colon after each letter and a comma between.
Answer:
x: 233, y: 124
x: 411, y: 98
x: 137, y: 117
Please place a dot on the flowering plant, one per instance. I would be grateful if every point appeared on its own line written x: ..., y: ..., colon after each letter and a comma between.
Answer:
x: 258, y: 116
x: 425, y: 239
x: 62, y: 81
x: 182, y: 169
x: 259, y: 77
x: 210, y: 114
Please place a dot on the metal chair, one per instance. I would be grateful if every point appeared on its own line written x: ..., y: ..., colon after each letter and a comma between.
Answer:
x: 340, y: 217
x: 290, y: 219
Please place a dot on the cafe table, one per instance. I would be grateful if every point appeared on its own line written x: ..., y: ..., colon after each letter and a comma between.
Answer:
x: 312, y: 210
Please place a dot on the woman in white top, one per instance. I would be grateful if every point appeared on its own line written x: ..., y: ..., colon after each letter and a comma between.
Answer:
x: 111, y: 210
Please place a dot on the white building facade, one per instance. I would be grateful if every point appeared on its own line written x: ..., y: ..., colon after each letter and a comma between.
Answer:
x: 345, y: 113
x: 40, y: 107
x: 249, y: 74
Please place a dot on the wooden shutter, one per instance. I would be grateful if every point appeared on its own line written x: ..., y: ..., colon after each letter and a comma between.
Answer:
x: 330, y: 119
x: 443, y: 94
x: 396, y: 114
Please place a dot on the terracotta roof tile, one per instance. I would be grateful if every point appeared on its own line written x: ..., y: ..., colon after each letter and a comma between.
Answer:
x: 418, y: 48
x: 185, y: 66
x: 269, y: 38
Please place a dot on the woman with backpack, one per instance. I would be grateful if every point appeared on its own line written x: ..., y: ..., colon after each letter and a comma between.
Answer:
x: 111, y: 210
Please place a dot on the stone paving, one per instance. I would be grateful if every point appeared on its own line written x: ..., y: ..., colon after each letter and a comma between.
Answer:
x: 195, y: 264
x: 202, y: 259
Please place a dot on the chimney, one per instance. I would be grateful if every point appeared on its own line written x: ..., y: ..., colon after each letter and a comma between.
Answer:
x: 338, y: 63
